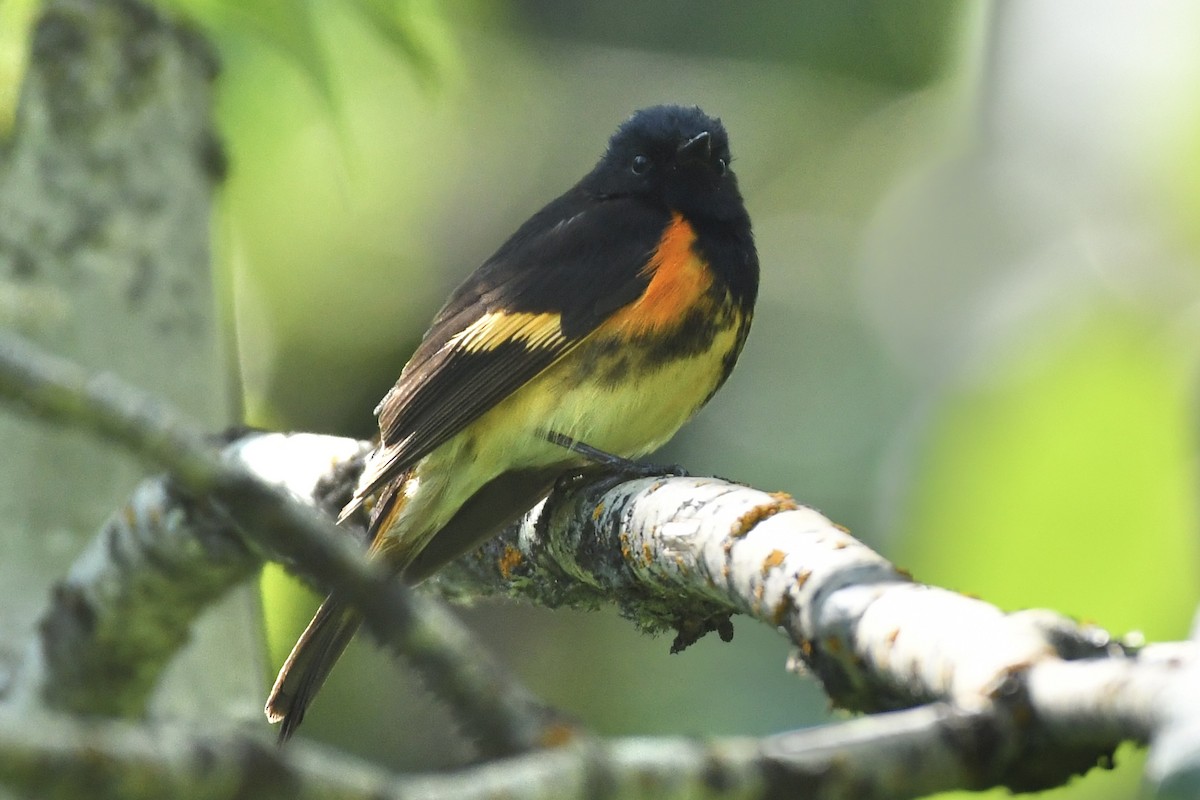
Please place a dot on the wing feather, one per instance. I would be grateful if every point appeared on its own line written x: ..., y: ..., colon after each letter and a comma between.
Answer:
x: 561, y: 274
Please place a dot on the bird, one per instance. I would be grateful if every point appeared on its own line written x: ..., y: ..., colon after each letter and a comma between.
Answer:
x: 604, y: 323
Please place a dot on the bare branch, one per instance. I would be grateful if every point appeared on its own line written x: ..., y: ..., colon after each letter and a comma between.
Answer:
x: 690, y: 552
x: 128, y: 604
x: 502, y: 716
x: 893, y: 756
x: 1173, y: 768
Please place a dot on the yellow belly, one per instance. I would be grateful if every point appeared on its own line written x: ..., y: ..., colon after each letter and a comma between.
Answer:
x: 618, y: 400
x: 629, y: 416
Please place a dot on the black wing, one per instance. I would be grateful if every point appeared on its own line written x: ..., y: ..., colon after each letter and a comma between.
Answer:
x: 560, y: 275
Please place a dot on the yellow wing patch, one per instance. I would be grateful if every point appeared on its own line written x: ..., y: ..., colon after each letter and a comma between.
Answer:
x: 497, y: 327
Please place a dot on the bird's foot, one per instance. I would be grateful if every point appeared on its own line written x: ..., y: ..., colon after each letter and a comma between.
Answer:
x: 619, y: 465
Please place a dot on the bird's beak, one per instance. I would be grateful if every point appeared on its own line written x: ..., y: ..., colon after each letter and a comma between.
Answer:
x: 697, y: 148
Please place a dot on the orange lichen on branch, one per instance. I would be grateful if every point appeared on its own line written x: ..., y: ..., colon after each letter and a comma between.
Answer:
x: 626, y: 552
x: 780, y: 501
x: 558, y: 734
x: 779, y: 614
x: 510, y: 560
x: 773, y: 560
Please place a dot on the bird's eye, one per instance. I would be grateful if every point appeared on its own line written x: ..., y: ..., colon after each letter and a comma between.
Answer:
x: 722, y: 167
x: 640, y: 165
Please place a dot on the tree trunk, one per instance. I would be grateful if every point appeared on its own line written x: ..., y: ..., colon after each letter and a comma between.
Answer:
x: 106, y: 186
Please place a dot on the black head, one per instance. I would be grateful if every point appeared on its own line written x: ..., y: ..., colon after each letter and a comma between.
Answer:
x: 672, y: 155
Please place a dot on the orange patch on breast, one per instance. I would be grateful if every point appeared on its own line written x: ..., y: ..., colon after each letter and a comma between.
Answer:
x: 678, y: 280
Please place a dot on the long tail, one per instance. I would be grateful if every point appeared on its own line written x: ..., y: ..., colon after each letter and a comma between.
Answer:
x: 414, y: 555
x: 322, y: 643
x: 309, y: 664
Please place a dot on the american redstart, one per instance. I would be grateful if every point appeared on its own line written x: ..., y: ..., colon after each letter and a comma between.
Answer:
x: 608, y: 319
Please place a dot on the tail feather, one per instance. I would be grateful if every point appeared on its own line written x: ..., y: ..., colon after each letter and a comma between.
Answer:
x: 325, y: 638
x: 309, y: 664
x: 414, y: 555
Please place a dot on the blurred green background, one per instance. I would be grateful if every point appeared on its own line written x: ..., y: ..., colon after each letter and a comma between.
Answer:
x: 975, y: 344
